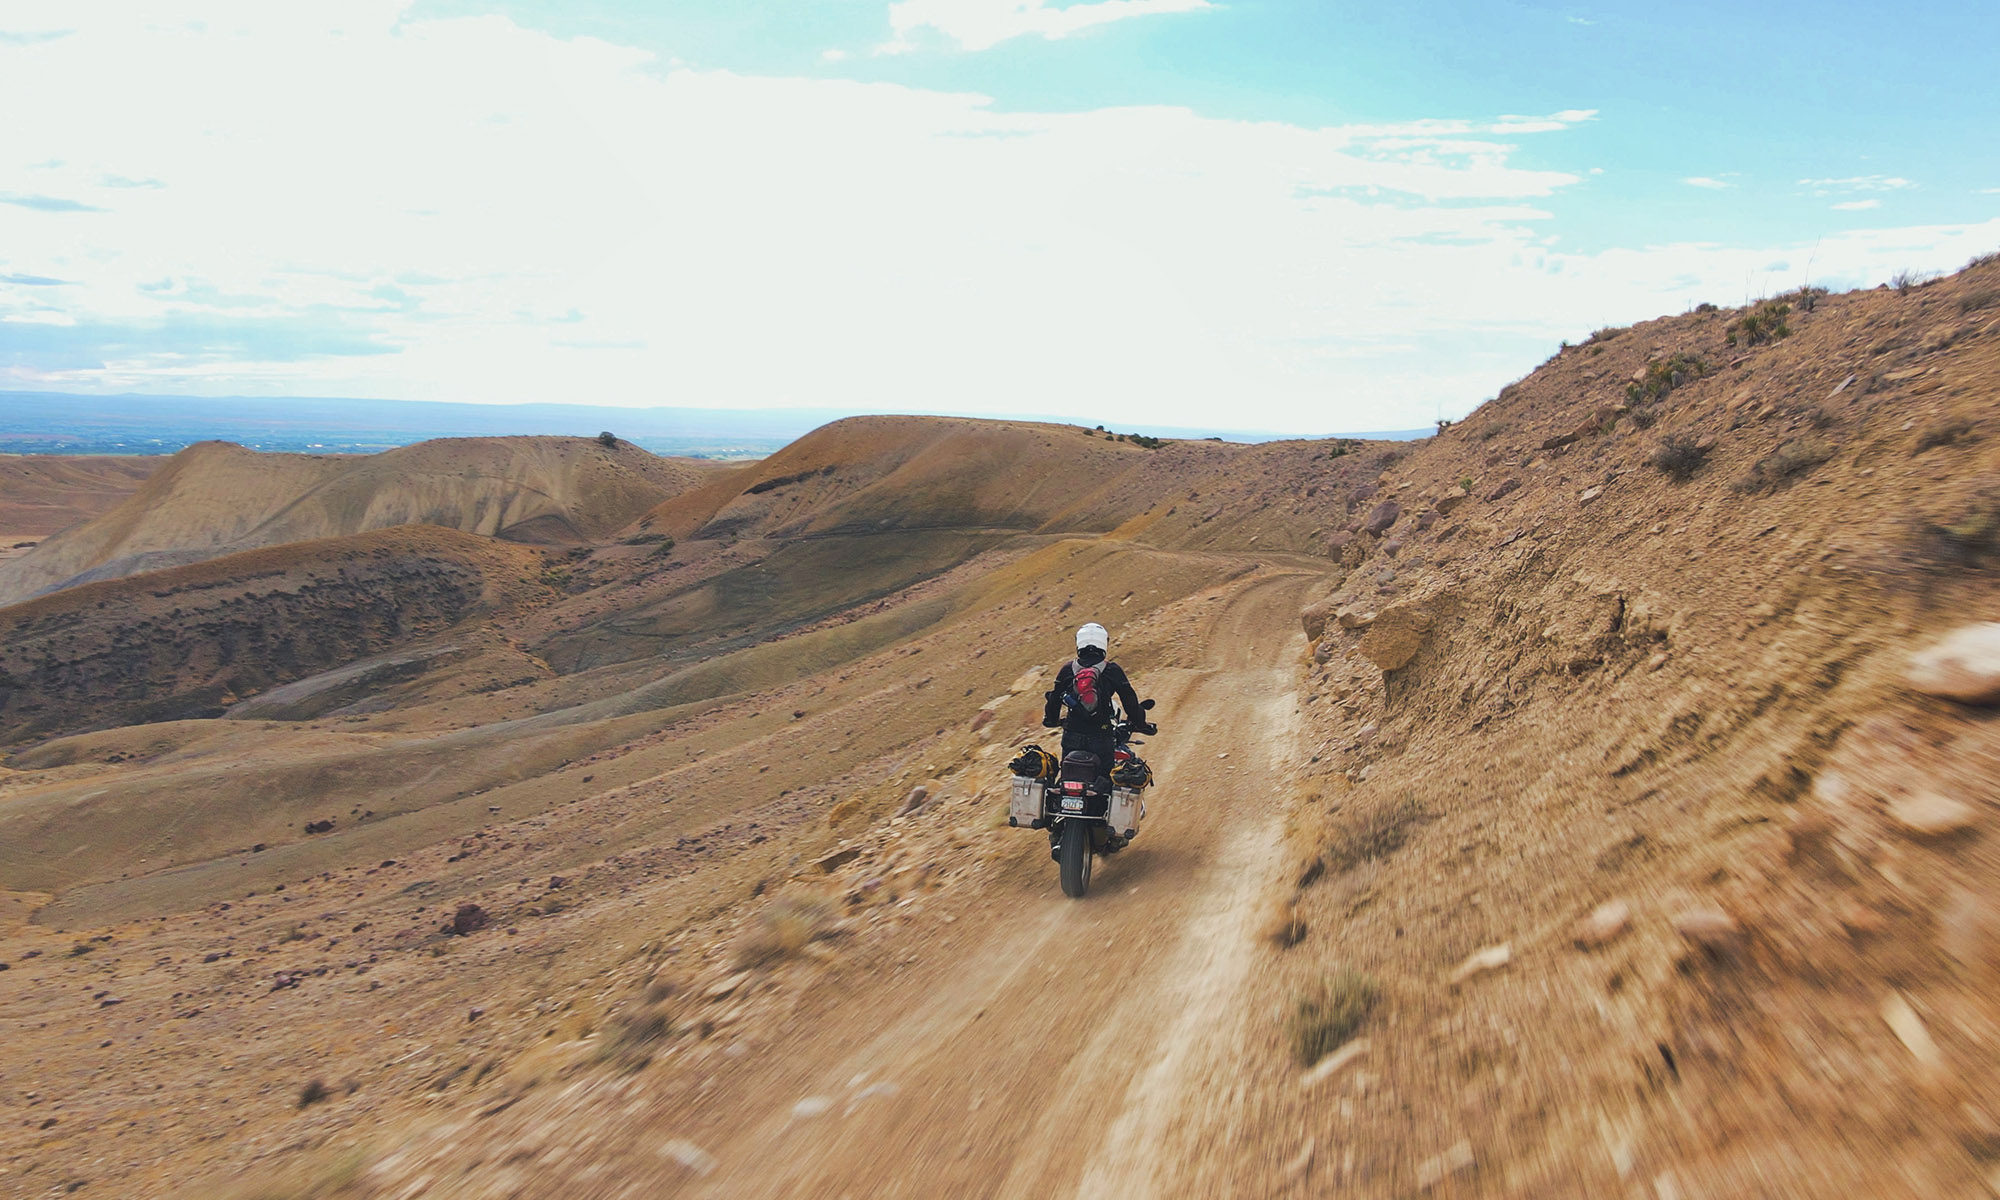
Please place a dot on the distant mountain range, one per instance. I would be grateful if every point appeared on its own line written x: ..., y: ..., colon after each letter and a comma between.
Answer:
x: 65, y: 423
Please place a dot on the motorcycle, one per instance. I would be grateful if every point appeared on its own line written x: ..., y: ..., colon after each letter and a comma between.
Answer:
x: 1086, y: 813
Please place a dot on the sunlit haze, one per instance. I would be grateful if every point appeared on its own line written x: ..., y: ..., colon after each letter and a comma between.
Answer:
x: 1272, y: 216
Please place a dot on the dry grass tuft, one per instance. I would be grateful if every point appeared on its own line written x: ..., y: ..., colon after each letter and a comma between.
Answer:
x: 1377, y: 833
x: 630, y: 1039
x: 1326, y: 1017
x: 783, y: 929
x: 1792, y: 458
x: 314, y: 1092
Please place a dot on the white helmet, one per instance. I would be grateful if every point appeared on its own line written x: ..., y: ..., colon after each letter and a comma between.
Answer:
x: 1093, y: 635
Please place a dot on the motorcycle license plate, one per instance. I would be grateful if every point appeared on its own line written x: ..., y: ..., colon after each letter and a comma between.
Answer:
x: 1072, y: 803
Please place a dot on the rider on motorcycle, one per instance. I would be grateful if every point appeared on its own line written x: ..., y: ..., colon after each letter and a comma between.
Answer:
x: 1084, y: 687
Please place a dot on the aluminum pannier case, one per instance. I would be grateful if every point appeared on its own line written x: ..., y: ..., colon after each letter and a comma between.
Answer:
x: 1024, y: 803
x: 1124, y: 811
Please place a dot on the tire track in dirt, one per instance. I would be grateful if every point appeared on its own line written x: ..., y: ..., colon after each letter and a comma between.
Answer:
x: 1119, y: 1013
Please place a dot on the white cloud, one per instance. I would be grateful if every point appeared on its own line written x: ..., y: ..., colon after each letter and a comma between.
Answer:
x: 833, y: 56
x: 1856, y: 183
x: 983, y: 24
x: 1857, y: 205
x: 518, y: 217
x: 1703, y: 181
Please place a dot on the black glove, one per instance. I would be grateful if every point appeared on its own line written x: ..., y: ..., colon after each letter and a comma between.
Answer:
x: 1149, y: 728
x: 1048, y: 724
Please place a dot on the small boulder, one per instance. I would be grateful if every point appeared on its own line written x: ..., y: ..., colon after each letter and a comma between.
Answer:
x: 1354, y: 617
x: 1384, y: 515
x: 1711, y: 929
x: 1932, y: 814
x: 1395, y: 636
x: 470, y: 918
x: 1589, y: 494
x: 1605, y: 924
x: 1452, y: 499
x: 915, y: 799
x: 1392, y: 547
x: 1313, y: 618
x: 1507, y: 488
x: 1964, y: 666
x: 982, y: 719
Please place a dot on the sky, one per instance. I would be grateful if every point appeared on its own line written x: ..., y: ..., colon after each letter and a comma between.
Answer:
x: 1283, y: 215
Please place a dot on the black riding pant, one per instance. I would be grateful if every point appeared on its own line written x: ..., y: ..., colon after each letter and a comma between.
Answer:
x: 1096, y: 741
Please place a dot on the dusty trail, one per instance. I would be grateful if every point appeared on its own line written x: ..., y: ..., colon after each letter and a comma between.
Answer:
x: 979, y: 1071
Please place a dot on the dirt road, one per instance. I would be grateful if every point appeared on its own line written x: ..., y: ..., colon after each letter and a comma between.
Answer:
x: 1057, y: 1047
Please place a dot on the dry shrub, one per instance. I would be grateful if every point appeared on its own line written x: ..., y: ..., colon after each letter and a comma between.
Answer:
x: 1326, y: 1017
x: 1906, y: 282
x: 1283, y: 927
x: 1792, y: 458
x: 1968, y: 541
x: 1985, y: 298
x: 783, y: 929
x: 1375, y: 834
x: 314, y: 1092
x: 1944, y: 433
x: 630, y: 1039
x: 1679, y: 457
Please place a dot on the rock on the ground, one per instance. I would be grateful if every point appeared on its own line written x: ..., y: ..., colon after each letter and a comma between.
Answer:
x: 1395, y: 636
x: 470, y: 918
x: 1354, y: 617
x: 1313, y: 618
x: 1332, y: 1063
x: 1492, y: 958
x: 688, y: 1155
x: 1711, y: 929
x: 1605, y: 924
x: 1452, y: 499
x: 1433, y: 1171
x: 1385, y: 515
x: 915, y: 799
x: 1964, y: 666
x: 1932, y: 814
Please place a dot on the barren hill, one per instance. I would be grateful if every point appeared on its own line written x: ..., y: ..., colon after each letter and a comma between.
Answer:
x: 1551, y: 808
x: 216, y: 498
x: 41, y: 494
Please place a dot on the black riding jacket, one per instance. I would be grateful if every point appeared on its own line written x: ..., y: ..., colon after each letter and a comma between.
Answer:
x: 1111, y: 681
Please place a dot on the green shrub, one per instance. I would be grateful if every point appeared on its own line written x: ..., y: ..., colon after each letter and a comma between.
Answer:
x: 1663, y: 375
x: 1765, y: 323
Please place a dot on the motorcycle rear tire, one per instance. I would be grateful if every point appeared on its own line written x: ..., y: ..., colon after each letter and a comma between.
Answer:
x: 1073, y: 855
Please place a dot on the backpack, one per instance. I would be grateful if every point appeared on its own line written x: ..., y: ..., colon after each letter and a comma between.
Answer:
x: 1087, y: 692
